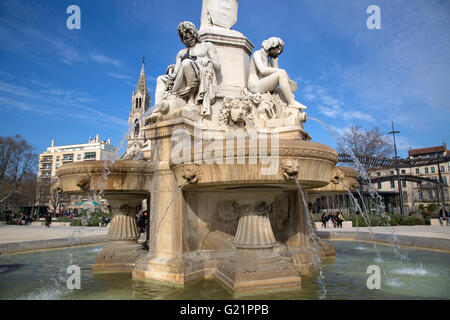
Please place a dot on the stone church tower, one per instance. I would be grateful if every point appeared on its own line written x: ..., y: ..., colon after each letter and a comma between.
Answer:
x: 140, y: 102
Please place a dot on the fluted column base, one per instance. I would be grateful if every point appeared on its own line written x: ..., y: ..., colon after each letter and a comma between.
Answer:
x: 123, y: 249
x: 255, y: 265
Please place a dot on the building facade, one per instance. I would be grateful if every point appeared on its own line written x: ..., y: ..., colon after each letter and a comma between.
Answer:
x: 55, y: 156
x: 416, y: 193
x: 428, y: 192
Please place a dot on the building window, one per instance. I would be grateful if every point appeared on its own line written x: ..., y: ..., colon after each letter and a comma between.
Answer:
x: 57, y: 158
x: 442, y: 169
x: 391, y: 172
x: 430, y: 195
x: 379, y: 185
x: 403, y: 171
x: 378, y: 174
x: 68, y: 157
x: 57, y: 166
x: 46, y: 174
x: 426, y: 170
x: 392, y: 184
x: 47, y: 159
x: 420, y: 195
x: 417, y: 170
x: 444, y: 179
x: 78, y: 157
x: 89, y: 156
x: 404, y: 184
x: 433, y: 170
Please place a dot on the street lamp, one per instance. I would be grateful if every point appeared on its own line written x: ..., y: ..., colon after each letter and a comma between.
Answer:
x: 393, y: 132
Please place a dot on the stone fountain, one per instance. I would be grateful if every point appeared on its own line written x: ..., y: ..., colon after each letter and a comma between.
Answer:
x: 344, y: 179
x: 124, y: 184
x: 227, y: 146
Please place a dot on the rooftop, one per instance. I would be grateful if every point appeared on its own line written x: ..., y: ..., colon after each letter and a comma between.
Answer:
x: 414, y: 152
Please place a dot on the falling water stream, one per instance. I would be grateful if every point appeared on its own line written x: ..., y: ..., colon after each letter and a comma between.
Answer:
x: 315, y: 241
x: 380, y: 208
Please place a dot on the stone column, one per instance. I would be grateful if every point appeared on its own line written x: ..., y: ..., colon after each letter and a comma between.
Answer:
x: 164, y: 261
x: 123, y: 249
x: 255, y: 265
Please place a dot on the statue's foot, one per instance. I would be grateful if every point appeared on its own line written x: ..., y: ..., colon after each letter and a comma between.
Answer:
x: 164, y: 107
x: 302, y: 116
x: 154, y: 117
x: 297, y: 105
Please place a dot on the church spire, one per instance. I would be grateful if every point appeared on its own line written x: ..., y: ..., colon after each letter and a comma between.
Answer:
x: 142, y: 83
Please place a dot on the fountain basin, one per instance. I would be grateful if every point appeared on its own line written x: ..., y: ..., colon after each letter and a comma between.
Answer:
x: 313, y: 164
x: 343, y: 175
x: 125, y: 183
x: 125, y: 176
x: 42, y: 275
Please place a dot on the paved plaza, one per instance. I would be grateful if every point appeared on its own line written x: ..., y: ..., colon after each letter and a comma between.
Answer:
x: 429, y: 237
x: 26, y: 238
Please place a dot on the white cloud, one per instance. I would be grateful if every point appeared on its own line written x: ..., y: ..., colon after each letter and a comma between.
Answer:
x: 104, y: 60
x: 120, y: 76
x: 333, y: 107
x: 54, y: 101
x: 310, y: 96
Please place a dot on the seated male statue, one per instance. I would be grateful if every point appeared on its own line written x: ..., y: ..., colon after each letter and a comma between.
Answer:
x: 265, y: 75
x: 193, y: 76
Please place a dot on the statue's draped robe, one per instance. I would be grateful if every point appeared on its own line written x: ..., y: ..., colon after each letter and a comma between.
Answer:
x: 202, y: 80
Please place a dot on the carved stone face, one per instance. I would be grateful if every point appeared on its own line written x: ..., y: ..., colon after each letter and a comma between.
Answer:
x: 275, y: 51
x: 238, y: 112
x: 189, y: 39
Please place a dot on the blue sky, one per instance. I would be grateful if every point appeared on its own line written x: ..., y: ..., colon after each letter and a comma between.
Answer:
x: 69, y: 85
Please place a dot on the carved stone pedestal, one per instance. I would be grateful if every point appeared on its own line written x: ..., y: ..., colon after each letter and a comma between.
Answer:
x: 122, y: 251
x: 255, y: 265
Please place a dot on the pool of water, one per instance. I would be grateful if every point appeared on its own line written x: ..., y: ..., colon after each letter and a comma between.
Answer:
x: 417, y: 274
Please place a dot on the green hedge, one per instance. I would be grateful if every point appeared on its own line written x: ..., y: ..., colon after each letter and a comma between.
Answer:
x: 91, y: 220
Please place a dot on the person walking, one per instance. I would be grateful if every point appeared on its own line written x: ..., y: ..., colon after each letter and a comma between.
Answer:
x: 48, y: 220
x: 340, y: 219
x: 443, y: 215
x: 323, y: 218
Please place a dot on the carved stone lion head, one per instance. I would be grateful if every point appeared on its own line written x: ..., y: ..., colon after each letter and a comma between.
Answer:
x: 84, y: 183
x: 289, y: 169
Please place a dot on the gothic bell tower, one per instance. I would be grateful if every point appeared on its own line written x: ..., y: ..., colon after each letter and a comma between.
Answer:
x: 140, y: 102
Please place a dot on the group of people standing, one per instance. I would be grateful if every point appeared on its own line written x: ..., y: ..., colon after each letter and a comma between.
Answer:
x: 335, y: 218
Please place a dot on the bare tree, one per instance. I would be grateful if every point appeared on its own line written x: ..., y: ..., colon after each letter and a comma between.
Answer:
x: 55, y: 195
x: 368, y: 143
x: 17, y: 163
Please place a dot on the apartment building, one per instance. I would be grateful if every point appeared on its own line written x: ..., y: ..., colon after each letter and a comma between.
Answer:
x: 56, y: 156
x: 419, y: 191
